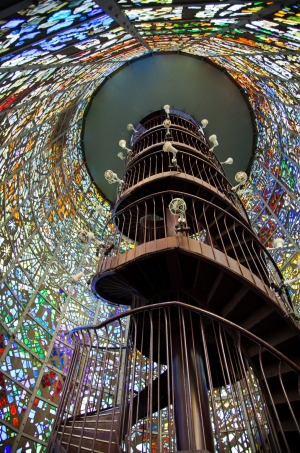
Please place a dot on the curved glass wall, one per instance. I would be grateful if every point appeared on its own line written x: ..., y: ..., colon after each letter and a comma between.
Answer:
x: 52, y: 58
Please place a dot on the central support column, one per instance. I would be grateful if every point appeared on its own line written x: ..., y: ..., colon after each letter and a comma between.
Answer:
x: 192, y: 415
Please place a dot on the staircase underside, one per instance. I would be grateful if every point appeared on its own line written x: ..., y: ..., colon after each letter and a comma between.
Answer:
x: 180, y: 268
x: 204, y: 274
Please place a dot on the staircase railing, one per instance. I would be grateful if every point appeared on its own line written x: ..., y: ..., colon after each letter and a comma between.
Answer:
x: 123, y: 371
x: 212, y: 229
x: 188, y: 165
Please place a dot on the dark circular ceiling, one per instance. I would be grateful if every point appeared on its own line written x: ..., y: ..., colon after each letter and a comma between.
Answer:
x: 145, y: 85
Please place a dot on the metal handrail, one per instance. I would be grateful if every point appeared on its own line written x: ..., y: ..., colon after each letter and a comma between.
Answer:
x: 198, y: 310
x: 235, y: 223
x: 147, y: 394
x: 188, y: 123
x: 179, y: 137
x: 184, y: 194
x: 217, y: 179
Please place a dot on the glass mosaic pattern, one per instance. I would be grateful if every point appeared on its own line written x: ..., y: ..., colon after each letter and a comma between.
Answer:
x: 52, y: 58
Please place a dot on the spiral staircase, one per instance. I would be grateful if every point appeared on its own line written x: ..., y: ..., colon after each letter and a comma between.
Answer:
x: 207, y: 357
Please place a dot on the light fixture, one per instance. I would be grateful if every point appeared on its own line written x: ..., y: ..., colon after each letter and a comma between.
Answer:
x: 112, y: 177
x: 130, y: 127
x: 99, y: 209
x: 83, y: 236
x: 214, y: 141
x: 178, y: 207
x: 121, y: 155
x: 228, y: 161
x: 88, y: 236
x: 292, y: 280
x: 99, y: 243
x: 122, y: 143
x: 167, y: 109
x: 169, y: 148
x: 77, y: 277
x: 204, y: 123
x: 241, y: 177
x: 278, y: 243
x: 245, y: 193
x: 167, y: 124
x: 91, y: 237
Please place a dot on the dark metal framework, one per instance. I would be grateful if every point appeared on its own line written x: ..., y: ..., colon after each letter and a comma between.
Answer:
x: 119, y: 385
x: 177, y: 377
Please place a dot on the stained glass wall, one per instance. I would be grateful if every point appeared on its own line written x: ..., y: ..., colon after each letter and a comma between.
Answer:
x: 52, y: 58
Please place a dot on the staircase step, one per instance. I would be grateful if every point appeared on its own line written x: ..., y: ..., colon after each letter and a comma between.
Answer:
x: 280, y: 337
x: 92, y: 422
x: 95, y: 432
x: 288, y: 425
x: 101, y: 434
x: 73, y: 448
x: 257, y: 317
x: 102, y: 437
x: 293, y: 395
x: 88, y: 444
x: 293, y: 439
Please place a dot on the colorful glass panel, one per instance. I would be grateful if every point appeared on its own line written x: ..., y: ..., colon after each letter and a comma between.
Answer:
x: 52, y: 57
